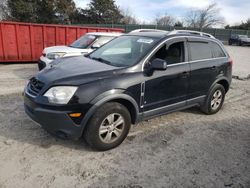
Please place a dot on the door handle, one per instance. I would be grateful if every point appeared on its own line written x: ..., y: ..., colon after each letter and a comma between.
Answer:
x: 213, y: 67
x: 185, y: 74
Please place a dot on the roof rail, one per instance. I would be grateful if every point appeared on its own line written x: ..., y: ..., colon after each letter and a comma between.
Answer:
x: 147, y: 30
x: 191, y: 32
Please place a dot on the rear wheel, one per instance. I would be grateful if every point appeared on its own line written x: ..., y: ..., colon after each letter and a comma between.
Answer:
x: 214, y: 100
x: 108, y: 127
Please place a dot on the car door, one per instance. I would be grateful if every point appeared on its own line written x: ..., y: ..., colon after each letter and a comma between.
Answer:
x: 233, y: 39
x: 237, y: 39
x: 203, y: 67
x: 167, y: 90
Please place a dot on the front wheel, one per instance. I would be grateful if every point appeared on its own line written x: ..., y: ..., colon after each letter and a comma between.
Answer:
x: 108, y: 127
x: 214, y: 100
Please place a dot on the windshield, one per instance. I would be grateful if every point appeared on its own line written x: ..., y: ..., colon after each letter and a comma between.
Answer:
x: 83, y: 42
x: 124, y: 51
x: 243, y: 36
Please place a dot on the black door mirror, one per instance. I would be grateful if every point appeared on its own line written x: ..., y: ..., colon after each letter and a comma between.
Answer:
x: 158, y: 64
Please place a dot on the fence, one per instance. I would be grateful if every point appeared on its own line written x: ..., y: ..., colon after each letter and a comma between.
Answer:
x: 221, y: 34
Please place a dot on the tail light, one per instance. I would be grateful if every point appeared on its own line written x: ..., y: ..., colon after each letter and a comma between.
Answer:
x: 230, y: 61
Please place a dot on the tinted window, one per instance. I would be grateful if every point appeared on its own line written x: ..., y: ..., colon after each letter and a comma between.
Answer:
x: 83, y: 42
x: 234, y: 37
x: 199, y: 51
x: 174, y: 54
x: 217, y: 51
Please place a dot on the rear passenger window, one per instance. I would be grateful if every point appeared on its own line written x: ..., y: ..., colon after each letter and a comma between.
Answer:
x: 217, y: 51
x: 199, y: 51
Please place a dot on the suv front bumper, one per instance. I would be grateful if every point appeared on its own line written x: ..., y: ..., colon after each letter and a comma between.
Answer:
x: 56, y: 122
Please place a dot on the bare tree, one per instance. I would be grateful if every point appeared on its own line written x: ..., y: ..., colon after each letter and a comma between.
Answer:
x: 204, y: 18
x: 192, y: 19
x: 165, y: 20
x: 3, y: 10
x: 128, y: 17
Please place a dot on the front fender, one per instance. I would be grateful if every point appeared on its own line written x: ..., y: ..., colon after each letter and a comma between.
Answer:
x: 104, y: 98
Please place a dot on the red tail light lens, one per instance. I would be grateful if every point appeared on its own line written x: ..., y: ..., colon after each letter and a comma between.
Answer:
x: 230, y: 61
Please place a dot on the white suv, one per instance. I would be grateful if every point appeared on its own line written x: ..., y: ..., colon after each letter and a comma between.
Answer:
x: 85, y: 44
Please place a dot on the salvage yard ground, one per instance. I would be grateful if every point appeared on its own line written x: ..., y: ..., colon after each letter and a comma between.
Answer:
x: 182, y: 149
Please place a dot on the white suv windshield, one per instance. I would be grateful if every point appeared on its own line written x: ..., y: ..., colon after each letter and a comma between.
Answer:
x: 83, y: 42
x: 124, y: 51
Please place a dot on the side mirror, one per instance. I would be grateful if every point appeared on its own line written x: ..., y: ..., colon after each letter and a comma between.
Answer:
x: 95, y: 46
x: 158, y: 64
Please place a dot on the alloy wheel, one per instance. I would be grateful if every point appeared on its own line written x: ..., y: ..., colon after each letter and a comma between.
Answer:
x: 216, y: 100
x: 111, y: 128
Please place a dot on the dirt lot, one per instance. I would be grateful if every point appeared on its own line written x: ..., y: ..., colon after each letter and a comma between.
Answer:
x: 182, y: 149
x: 241, y: 58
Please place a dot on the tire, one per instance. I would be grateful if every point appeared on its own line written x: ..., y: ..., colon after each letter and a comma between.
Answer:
x: 108, y: 127
x: 229, y: 43
x: 214, y: 100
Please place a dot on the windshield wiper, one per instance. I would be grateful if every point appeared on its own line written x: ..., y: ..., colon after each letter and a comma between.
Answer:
x: 101, y: 60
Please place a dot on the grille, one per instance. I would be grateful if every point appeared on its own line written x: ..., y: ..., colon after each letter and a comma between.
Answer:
x: 34, y: 87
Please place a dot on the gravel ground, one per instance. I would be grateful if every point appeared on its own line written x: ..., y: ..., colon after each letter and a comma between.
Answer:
x: 182, y: 149
x: 240, y: 56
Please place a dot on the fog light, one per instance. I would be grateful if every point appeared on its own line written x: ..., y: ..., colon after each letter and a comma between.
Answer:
x: 75, y: 115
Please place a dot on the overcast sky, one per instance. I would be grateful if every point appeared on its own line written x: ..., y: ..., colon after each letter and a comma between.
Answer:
x: 234, y: 11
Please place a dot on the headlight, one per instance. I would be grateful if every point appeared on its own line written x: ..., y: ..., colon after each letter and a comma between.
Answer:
x: 55, y: 55
x: 60, y: 94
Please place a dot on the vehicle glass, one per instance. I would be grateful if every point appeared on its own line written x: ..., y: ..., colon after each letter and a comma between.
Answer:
x: 101, y: 41
x: 174, y: 54
x: 243, y: 36
x: 217, y: 50
x: 83, y: 42
x: 199, y: 51
x: 124, y: 51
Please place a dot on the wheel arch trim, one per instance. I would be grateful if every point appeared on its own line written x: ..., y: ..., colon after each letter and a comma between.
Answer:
x: 114, y: 94
x: 219, y: 80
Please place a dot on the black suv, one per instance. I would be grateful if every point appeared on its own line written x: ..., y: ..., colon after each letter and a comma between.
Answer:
x: 239, y: 40
x: 132, y: 78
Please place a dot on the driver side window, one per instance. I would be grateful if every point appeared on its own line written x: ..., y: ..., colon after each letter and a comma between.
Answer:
x: 174, y: 54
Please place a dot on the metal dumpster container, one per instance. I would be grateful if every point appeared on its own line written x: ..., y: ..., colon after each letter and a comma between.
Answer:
x: 22, y: 42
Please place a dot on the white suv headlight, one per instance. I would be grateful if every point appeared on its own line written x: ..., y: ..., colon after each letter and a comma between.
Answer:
x: 60, y: 94
x: 55, y: 55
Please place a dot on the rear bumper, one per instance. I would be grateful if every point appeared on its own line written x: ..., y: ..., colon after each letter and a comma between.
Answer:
x: 55, y: 122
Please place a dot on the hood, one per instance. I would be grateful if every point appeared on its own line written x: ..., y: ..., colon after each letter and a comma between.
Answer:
x: 65, y: 49
x: 246, y: 39
x: 76, y: 71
